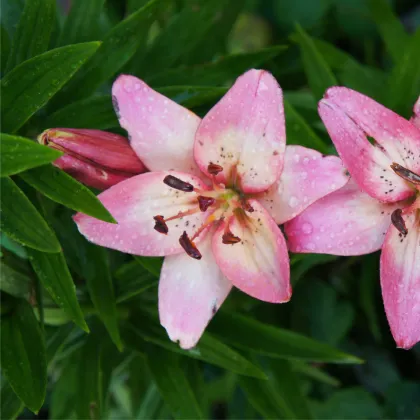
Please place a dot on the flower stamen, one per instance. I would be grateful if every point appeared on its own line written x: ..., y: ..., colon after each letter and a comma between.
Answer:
x: 189, y: 246
x: 398, y: 221
x: 405, y: 173
x: 214, y: 169
x: 161, y: 225
x: 178, y: 184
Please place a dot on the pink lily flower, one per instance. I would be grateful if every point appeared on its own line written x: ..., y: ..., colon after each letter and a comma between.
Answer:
x: 217, y: 191
x: 96, y: 158
x: 378, y: 208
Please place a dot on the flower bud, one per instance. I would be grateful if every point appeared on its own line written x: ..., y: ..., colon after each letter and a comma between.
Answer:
x: 96, y: 158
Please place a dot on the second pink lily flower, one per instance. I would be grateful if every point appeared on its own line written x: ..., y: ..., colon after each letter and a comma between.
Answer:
x: 217, y: 190
x: 378, y: 208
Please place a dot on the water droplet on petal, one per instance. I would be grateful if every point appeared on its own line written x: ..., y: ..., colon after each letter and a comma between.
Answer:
x: 307, y: 228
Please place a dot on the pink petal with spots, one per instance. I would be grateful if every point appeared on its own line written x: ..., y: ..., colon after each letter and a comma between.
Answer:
x: 369, y: 165
x: 400, y: 281
x: 399, y: 137
x: 133, y: 204
x: 161, y: 132
x: 307, y: 176
x: 246, y: 130
x: 190, y: 293
x: 415, y: 119
x: 345, y: 222
x: 258, y: 264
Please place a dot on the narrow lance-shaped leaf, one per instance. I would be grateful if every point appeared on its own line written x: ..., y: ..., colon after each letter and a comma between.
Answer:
x: 23, y: 359
x: 117, y: 48
x: 19, y: 154
x: 217, y: 72
x: 209, y: 349
x: 180, y: 36
x: 55, y: 276
x: 404, y: 80
x: 101, y: 289
x: 81, y: 22
x: 248, y: 334
x: 172, y: 383
x: 33, y: 33
x: 318, y: 73
x: 11, y: 405
x: 21, y: 220
x: 390, y: 27
x: 31, y: 85
x: 62, y: 188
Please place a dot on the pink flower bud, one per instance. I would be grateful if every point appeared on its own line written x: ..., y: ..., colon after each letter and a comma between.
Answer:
x: 96, y: 158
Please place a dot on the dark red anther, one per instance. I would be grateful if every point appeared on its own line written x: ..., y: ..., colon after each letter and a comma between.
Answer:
x: 189, y: 246
x: 398, y: 221
x: 205, y: 202
x: 178, y: 184
x: 214, y: 169
x: 405, y: 173
x: 161, y: 225
x: 229, y: 238
x: 247, y: 207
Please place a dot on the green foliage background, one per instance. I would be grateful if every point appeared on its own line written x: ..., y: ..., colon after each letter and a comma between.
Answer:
x: 80, y: 333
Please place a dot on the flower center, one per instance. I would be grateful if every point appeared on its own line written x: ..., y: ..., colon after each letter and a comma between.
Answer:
x: 221, y: 202
x: 414, y: 180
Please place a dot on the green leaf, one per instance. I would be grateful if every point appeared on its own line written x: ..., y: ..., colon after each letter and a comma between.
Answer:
x: 150, y: 404
x: 101, y: 289
x: 404, y: 80
x: 31, y: 85
x: 81, y: 22
x: 314, y: 373
x: 11, y: 405
x: 318, y: 73
x: 131, y: 280
x: 389, y: 26
x: 62, y: 188
x: 93, y: 112
x: 5, y: 50
x: 402, y: 400
x: 56, y: 340
x: 248, y: 334
x: 19, y: 154
x: 15, y: 275
x: 300, y: 132
x: 25, y: 226
x: 368, y: 286
x: 280, y: 396
x: 117, y: 48
x: 180, y: 36
x: 172, y: 383
x: 55, y: 276
x: 23, y: 355
x: 350, y: 403
x: 90, y: 391
x: 209, y: 349
x: 193, y: 96
x: 152, y: 264
x: 217, y: 72
x: 33, y: 33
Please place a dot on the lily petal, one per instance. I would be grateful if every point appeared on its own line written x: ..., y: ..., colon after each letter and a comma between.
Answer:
x: 399, y: 137
x: 400, y: 281
x: 190, y: 293
x: 258, y: 264
x: 345, y: 222
x: 307, y: 176
x: 133, y: 204
x: 369, y: 165
x: 90, y: 173
x: 161, y: 132
x: 245, y: 130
